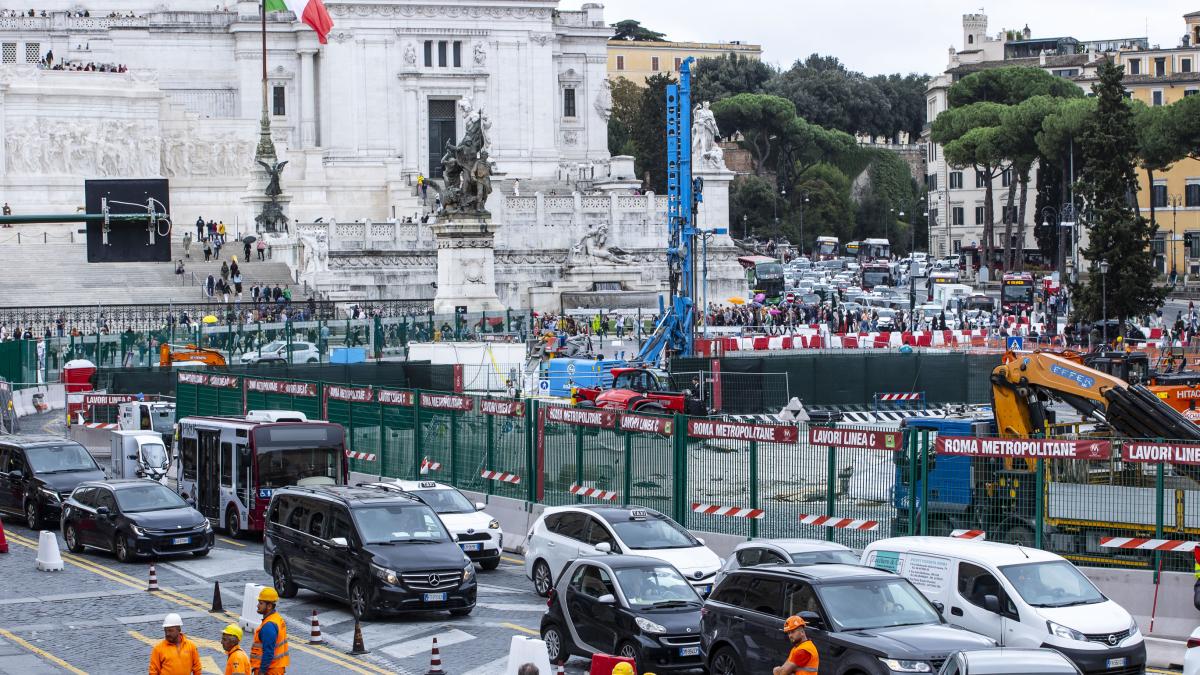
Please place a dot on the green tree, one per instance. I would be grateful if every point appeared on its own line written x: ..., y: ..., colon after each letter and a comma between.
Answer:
x: 633, y: 31
x: 1118, y: 234
x: 729, y: 75
x: 751, y: 199
x: 1009, y: 86
x: 649, y: 132
x: 825, y: 93
x: 627, y: 102
x: 906, y: 97
x: 1158, y: 147
x: 823, y: 192
x: 763, y: 121
x: 970, y: 137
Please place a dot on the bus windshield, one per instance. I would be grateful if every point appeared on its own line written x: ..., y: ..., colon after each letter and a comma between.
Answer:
x: 299, y: 454
x: 1010, y: 292
x: 827, y: 248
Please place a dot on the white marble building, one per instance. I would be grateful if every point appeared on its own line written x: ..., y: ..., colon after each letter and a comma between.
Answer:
x: 357, y: 118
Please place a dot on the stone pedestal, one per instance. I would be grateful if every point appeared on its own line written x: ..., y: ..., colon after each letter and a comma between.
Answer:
x: 466, y: 264
x: 596, y: 286
x: 725, y: 276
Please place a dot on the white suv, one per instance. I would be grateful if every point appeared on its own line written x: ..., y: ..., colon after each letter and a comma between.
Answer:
x: 478, y: 533
x: 564, y: 533
x: 281, y: 352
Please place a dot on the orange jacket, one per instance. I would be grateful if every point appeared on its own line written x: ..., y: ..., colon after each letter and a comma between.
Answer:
x: 280, y: 661
x: 238, y: 663
x: 175, y: 659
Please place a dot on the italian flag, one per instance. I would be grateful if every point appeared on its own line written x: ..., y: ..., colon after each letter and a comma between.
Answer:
x: 311, y: 12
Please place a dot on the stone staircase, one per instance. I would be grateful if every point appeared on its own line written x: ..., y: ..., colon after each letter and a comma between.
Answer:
x: 57, y: 273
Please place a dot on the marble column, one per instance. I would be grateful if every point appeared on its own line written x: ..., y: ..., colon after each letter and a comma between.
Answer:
x: 308, y: 100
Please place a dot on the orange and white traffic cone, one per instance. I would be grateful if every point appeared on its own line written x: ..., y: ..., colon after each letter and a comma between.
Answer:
x: 153, y: 579
x: 435, y: 661
x: 559, y: 669
x: 315, y: 634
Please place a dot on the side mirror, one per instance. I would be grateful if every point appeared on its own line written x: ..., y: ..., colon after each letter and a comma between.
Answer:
x: 103, y: 512
x: 16, y: 474
x: 991, y: 603
x: 607, y: 599
x: 941, y: 609
x: 339, y: 542
x: 813, y: 619
x: 604, y: 547
x: 479, y: 506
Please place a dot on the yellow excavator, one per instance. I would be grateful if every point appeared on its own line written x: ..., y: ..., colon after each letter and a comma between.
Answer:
x: 170, y: 355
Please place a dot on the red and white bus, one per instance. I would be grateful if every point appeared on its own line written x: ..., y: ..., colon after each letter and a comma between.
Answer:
x: 1016, y: 292
x: 230, y: 466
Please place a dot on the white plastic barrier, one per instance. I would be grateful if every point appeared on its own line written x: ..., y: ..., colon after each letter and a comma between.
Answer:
x: 249, y: 619
x: 524, y: 650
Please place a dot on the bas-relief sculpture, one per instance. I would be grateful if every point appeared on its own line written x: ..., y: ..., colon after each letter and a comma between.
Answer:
x: 593, y: 247
x: 89, y: 147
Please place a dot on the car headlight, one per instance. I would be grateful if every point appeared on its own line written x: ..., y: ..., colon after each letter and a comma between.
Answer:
x: 494, y: 525
x: 137, y: 530
x: 207, y: 525
x: 385, y: 574
x: 649, y: 626
x: 1059, y: 630
x: 905, y: 666
x: 50, y: 494
x: 468, y: 571
x: 1133, y: 628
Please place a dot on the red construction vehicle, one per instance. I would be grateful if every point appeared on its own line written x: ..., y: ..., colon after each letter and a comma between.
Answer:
x: 647, y: 390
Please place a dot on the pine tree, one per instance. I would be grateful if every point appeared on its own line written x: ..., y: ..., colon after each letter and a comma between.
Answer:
x: 1118, y: 234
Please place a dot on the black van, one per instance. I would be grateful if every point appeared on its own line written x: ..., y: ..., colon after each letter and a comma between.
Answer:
x: 38, y: 473
x: 861, y: 619
x: 381, y: 552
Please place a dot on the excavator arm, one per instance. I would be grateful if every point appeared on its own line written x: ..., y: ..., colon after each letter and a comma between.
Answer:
x: 168, y: 355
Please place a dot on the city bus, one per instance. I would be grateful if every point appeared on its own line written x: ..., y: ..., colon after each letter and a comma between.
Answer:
x: 876, y: 274
x: 764, y: 275
x: 1016, y: 292
x: 937, y: 278
x: 874, y: 249
x: 229, y: 466
x: 826, y: 249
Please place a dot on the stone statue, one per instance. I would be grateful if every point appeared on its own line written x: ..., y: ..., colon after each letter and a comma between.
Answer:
x: 273, y: 171
x: 595, y: 244
x: 410, y: 55
x: 479, y: 55
x: 466, y: 169
x: 604, y: 100
x: 482, y: 177
x: 704, y: 138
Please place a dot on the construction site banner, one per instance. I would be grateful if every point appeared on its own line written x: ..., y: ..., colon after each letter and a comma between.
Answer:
x: 858, y: 439
x: 107, y: 399
x: 447, y: 402
x: 396, y: 397
x: 584, y: 417
x: 308, y: 389
x: 646, y: 424
x: 1173, y: 453
x: 491, y: 406
x: 1023, y: 448
x: 739, y: 431
x: 224, y: 381
x: 351, y: 394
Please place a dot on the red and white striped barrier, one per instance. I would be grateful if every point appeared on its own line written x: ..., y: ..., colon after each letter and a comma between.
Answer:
x: 366, y: 456
x: 731, y: 511
x: 100, y: 425
x: 596, y: 493
x: 1148, y: 544
x: 500, y: 476
x: 899, y: 397
x: 974, y: 535
x: 427, y: 466
x: 839, y: 523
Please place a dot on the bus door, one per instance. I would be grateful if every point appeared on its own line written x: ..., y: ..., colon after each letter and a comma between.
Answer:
x: 208, y: 464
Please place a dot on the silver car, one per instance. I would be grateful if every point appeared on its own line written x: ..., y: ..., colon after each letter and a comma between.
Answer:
x: 786, y: 551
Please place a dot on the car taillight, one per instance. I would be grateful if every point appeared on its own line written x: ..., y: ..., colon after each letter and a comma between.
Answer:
x: 1193, y: 642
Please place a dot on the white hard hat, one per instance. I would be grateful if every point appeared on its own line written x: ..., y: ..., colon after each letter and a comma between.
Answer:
x: 172, y: 619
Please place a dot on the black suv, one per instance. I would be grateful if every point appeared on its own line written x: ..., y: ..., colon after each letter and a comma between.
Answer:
x: 861, y: 619
x: 379, y: 551
x: 38, y: 473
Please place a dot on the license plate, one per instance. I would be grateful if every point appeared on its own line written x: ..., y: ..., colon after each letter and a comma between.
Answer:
x: 704, y: 590
x: 180, y: 541
x: 434, y: 597
x: 471, y: 547
x: 689, y: 651
x: 1116, y: 663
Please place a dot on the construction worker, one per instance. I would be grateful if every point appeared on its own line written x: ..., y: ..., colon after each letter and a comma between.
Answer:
x: 804, y: 658
x: 237, y: 663
x: 175, y: 655
x: 269, y: 654
x: 623, y: 668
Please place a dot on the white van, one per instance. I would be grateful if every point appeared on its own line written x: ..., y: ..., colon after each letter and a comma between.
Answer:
x: 1020, y: 597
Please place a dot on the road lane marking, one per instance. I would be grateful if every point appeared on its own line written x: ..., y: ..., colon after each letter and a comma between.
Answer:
x: 42, y: 653
x: 512, y: 607
x: 515, y: 561
x: 407, y: 648
x: 522, y: 629
x: 230, y: 541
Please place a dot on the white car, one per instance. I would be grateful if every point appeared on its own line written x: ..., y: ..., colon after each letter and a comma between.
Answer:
x: 564, y: 533
x: 478, y: 534
x: 278, y: 352
x: 1191, y: 658
x: 788, y: 552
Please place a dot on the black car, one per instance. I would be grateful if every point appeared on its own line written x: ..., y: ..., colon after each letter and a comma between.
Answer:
x: 132, y: 518
x: 379, y: 551
x: 636, y: 607
x: 861, y: 619
x: 38, y: 473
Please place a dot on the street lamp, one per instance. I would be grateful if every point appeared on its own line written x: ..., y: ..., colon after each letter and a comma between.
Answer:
x: 745, y: 226
x: 1176, y: 202
x: 803, y: 201
x: 1104, y: 299
x: 705, y: 235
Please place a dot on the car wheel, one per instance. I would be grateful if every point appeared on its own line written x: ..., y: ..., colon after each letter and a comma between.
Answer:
x: 121, y: 549
x: 461, y: 612
x: 311, y: 361
x: 282, y: 580
x: 201, y: 554
x: 628, y: 650
x: 542, y: 579
x: 724, y: 662
x: 556, y: 645
x: 360, y: 603
x: 72, y: 537
x: 232, y: 524
x: 490, y: 564
x: 33, y: 515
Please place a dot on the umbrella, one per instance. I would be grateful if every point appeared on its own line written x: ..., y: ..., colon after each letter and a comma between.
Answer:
x: 775, y: 311
x: 209, y: 319
x: 760, y: 297
x: 736, y: 301
x: 249, y: 239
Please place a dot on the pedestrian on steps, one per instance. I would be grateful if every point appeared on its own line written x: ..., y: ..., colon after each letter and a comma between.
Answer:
x: 246, y: 250
x: 207, y: 250
x: 262, y: 249
x: 224, y: 271
x: 187, y: 245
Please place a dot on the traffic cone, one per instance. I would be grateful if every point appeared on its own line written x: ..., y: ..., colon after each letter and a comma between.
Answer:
x: 218, y: 607
x: 48, y: 557
x: 435, y: 661
x: 359, y: 647
x: 559, y: 669
x: 3, y: 540
x: 315, y: 635
x: 153, y: 579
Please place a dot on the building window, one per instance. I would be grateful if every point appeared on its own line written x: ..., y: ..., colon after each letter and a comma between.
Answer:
x: 429, y: 53
x: 931, y: 179
x: 1160, y: 66
x: 955, y: 180
x: 441, y: 54
x: 1005, y: 177
x: 1135, y: 66
x: 1065, y: 72
x: 458, y: 53
x: 569, y: 102
x: 970, y: 39
x: 956, y: 215
x: 33, y: 52
x: 1191, y: 194
x: 957, y: 245
x: 1189, y: 92
x: 1158, y: 195
x: 1193, y: 251
x: 1010, y: 213
x: 678, y: 63
x: 979, y: 215
x: 654, y: 63
x: 933, y: 214
x: 1156, y: 97
x: 9, y: 53
x: 620, y: 62
x: 981, y: 179
x: 1185, y: 65
x: 278, y: 101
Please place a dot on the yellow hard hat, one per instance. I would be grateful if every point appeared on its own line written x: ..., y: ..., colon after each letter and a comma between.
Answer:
x: 234, y: 630
x: 268, y: 594
x: 623, y: 668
